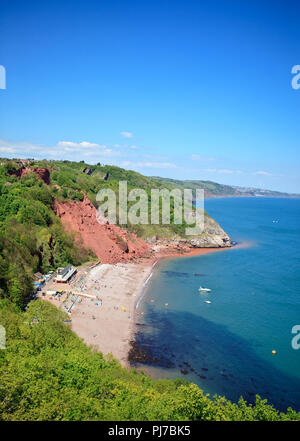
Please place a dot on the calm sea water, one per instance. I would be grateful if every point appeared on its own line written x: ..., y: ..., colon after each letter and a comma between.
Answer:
x: 226, y: 346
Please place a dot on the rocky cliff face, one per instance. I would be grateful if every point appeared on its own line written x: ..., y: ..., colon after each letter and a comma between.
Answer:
x: 212, y: 237
x: 109, y: 242
x: 112, y: 244
x: 42, y: 173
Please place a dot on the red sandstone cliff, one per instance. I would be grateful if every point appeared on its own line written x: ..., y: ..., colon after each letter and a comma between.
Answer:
x: 109, y: 242
x: 42, y: 173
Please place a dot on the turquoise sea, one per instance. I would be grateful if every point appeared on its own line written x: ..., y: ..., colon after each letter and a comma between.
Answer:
x: 226, y: 346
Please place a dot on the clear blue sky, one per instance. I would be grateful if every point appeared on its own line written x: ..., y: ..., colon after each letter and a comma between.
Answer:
x: 181, y: 89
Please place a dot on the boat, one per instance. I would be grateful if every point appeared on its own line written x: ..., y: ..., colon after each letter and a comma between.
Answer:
x: 204, y: 289
x: 207, y: 301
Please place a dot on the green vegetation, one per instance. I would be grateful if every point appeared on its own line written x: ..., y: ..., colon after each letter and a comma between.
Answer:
x: 210, y: 187
x: 48, y: 373
x: 69, y: 177
x: 31, y: 236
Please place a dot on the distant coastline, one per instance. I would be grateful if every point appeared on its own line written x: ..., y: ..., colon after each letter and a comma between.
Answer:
x: 214, y: 189
x: 288, y: 196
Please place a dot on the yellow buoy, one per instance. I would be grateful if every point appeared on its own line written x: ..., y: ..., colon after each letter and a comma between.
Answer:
x: 273, y: 352
x: 166, y: 304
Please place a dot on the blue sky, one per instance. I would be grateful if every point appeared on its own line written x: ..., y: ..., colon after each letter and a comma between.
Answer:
x: 181, y: 89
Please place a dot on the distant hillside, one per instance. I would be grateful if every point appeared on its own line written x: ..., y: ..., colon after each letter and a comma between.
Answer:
x: 213, y: 189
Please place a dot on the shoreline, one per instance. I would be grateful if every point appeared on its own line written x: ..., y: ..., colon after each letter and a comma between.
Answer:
x: 144, y: 286
x: 109, y: 295
x: 111, y: 328
x: 173, y: 255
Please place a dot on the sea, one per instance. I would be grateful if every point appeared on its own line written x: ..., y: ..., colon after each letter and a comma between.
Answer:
x: 239, y: 344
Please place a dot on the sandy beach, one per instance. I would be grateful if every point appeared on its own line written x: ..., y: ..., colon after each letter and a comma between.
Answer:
x: 107, y: 323
x: 106, y: 319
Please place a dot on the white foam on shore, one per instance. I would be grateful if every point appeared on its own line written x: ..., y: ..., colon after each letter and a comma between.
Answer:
x: 143, y: 290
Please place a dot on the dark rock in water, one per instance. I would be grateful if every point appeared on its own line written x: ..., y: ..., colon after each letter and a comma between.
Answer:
x: 184, y: 371
x: 176, y: 274
x: 204, y: 369
x: 142, y: 354
x: 186, y: 363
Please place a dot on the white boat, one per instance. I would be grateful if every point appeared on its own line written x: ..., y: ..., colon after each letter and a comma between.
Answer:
x: 204, y: 289
x: 207, y: 301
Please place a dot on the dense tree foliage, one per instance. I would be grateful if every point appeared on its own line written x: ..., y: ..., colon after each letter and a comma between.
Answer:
x: 48, y: 373
x: 31, y: 236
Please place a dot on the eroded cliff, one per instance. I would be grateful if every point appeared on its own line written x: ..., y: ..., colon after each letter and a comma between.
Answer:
x: 110, y: 243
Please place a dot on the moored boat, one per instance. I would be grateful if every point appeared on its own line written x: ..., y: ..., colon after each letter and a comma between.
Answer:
x: 204, y: 289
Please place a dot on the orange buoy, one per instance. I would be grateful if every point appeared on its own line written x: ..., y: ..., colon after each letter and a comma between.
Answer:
x: 273, y: 352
